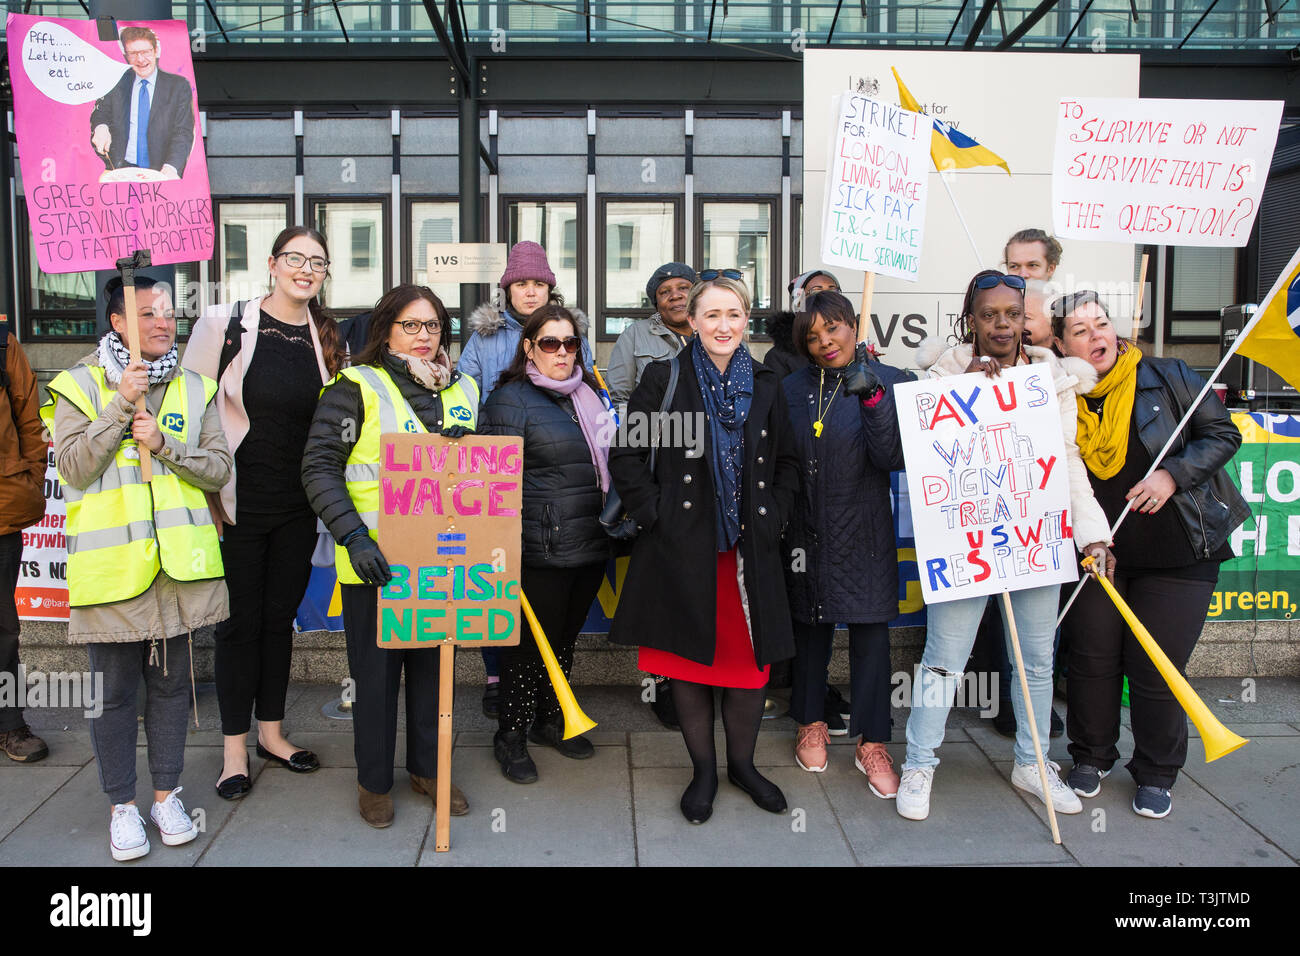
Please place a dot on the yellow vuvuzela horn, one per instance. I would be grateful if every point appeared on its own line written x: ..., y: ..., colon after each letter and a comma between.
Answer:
x: 1218, y: 739
x: 575, y: 721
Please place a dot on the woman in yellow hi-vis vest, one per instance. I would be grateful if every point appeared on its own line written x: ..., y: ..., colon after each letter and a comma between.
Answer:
x: 144, y: 567
x: 401, y: 381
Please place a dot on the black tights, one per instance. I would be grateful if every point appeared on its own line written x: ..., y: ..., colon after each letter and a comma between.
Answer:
x: 742, y: 714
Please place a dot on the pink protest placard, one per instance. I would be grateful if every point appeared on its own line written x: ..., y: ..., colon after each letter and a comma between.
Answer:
x: 109, y: 143
x: 449, y: 525
x: 1165, y: 172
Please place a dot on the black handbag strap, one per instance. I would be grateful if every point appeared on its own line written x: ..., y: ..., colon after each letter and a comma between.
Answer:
x: 234, y: 339
x: 663, y: 410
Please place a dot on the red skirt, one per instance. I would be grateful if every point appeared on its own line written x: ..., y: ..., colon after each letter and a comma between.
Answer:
x: 733, y: 656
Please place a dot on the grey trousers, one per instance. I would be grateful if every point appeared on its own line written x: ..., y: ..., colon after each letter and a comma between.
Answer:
x: 113, y: 734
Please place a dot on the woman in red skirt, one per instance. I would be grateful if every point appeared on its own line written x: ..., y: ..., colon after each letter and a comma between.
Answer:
x: 705, y: 593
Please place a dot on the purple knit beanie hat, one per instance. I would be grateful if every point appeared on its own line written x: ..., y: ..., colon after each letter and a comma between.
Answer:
x: 527, y: 260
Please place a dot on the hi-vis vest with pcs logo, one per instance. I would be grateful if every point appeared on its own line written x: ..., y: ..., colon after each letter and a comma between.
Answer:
x: 122, y: 531
x: 386, y: 410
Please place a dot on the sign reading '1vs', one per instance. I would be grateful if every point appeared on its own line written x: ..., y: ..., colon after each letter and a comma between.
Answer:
x: 987, y: 480
x: 449, y: 526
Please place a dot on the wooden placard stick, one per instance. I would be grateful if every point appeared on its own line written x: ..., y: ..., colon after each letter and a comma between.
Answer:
x: 1137, y: 311
x: 139, y: 260
x: 864, y: 323
x: 1010, y: 619
x: 446, y: 686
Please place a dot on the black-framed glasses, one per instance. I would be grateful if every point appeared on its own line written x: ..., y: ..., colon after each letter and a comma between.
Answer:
x: 708, y: 275
x: 551, y: 344
x: 412, y: 326
x: 991, y: 281
x: 296, y: 260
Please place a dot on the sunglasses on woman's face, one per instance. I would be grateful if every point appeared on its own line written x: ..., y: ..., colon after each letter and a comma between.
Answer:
x: 551, y: 344
x: 989, y: 282
x: 708, y: 275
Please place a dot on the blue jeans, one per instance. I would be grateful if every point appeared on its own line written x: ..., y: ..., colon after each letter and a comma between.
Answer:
x: 950, y: 634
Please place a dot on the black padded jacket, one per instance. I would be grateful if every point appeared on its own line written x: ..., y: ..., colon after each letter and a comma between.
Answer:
x: 562, y: 499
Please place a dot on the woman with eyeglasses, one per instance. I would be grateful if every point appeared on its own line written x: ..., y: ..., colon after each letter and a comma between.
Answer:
x: 1128, y: 406
x: 990, y: 333
x: 270, y: 356
x: 705, y: 593
x: 549, y: 398
x: 402, y: 380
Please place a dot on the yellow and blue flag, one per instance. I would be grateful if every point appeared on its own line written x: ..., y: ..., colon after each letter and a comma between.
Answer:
x: 949, y: 148
x: 1273, y: 336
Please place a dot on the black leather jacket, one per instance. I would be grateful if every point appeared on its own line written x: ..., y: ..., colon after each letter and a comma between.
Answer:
x: 1209, y: 504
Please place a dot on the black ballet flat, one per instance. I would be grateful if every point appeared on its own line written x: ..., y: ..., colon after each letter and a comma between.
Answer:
x: 696, y: 813
x: 235, y: 788
x: 772, y: 803
x: 301, y: 761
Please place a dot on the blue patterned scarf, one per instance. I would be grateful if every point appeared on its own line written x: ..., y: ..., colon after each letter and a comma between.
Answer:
x: 727, y: 397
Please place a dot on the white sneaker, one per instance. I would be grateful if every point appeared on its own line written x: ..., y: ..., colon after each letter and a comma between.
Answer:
x: 1064, y: 800
x: 126, y: 836
x: 913, y: 799
x: 172, y: 821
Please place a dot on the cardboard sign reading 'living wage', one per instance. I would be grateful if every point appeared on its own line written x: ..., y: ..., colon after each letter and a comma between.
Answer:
x: 986, y: 476
x: 109, y: 142
x: 1165, y: 172
x: 449, y: 526
x: 875, y: 193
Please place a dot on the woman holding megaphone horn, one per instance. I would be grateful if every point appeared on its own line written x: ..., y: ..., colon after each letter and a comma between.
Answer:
x: 547, y: 397
x: 1171, y: 548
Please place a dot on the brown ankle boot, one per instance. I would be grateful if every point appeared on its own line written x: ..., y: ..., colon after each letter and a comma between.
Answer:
x: 429, y: 787
x: 376, y: 808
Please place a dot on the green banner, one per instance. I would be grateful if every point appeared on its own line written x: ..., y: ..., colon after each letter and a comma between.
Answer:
x: 1262, y: 581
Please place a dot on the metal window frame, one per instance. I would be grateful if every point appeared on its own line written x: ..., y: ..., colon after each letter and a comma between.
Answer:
x: 603, y: 200
x: 757, y: 316
x: 408, y: 230
x: 310, y: 204
x: 504, y: 202
x: 1186, y: 315
x: 27, y: 312
x: 216, y: 263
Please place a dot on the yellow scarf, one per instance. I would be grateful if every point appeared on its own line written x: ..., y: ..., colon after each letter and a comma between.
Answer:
x: 1103, y: 439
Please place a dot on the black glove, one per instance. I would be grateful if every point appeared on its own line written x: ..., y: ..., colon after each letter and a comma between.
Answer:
x: 454, y: 431
x: 860, y: 380
x: 368, y: 561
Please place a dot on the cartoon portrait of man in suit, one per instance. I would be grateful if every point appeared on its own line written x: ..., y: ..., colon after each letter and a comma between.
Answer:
x: 147, y: 119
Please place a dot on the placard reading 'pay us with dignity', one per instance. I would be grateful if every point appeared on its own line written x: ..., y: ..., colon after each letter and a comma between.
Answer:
x: 987, y: 481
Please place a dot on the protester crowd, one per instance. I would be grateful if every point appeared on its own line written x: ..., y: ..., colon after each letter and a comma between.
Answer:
x: 748, y: 551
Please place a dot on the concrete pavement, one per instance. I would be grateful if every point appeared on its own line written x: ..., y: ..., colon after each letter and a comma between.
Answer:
x: 620, y: 808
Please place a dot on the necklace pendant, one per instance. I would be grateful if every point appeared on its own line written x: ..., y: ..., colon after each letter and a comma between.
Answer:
x: 817, y: 428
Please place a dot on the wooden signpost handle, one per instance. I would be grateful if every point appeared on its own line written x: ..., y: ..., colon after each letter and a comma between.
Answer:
x: 140, y: 259
x: 1137, y: 310
x: 1010, y: 618
x: 446, y: 686
x: 864, y: 323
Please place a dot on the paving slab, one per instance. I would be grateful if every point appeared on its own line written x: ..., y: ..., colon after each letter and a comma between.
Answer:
x: 598, y: 738
x: 23, y: 789
x: 311, y: 820
x: 68, y: 747
x: 1275, y: 698
x: 974, y: 817
x: 1260, y: 783
x: 1249, y: 730
x: 738, y: 833
x: 71, y: 827
x: 1200, y: 830
x: 578, y: 813
x: 997, y: 747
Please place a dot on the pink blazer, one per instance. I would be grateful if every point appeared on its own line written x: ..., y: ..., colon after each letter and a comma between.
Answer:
x: 203, y: 355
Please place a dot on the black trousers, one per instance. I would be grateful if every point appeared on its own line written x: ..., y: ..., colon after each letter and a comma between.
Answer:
x: 11, y: 552
x: 561, y: 598
x: 377, y: 673
x: 1103, y: 650
x: 869, y: 685
x: 268, y: 563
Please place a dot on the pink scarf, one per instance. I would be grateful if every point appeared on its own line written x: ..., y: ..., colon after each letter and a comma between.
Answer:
x: 593, y: 418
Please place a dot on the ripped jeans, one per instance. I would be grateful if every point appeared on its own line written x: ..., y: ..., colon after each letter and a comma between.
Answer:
x: 950, y: 634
